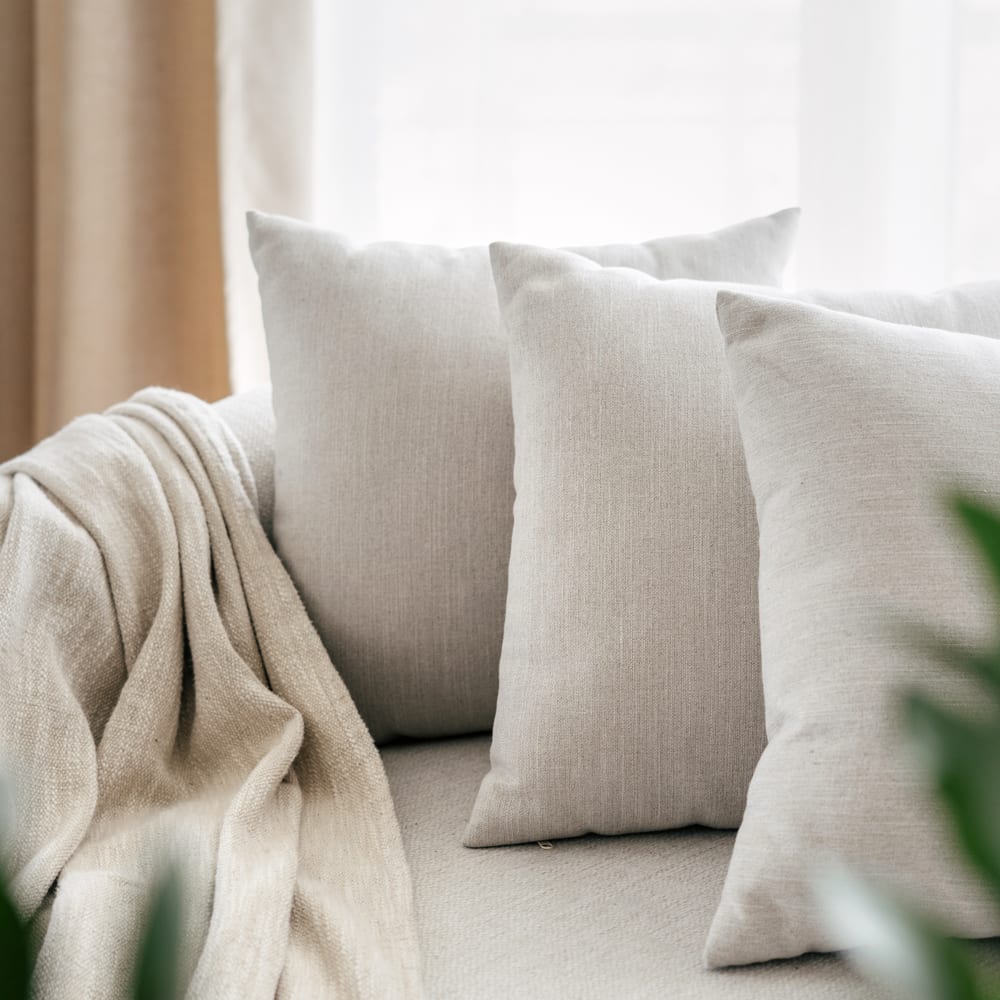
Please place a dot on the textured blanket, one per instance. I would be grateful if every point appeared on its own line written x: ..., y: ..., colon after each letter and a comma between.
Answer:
x: 163, y: 697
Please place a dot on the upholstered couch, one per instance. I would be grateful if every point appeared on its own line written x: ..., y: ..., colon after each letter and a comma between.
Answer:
x: 591, y: 917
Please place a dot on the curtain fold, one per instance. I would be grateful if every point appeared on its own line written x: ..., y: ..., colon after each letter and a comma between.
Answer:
x: 266, y: 141
x: 114, y: 174
x: 16, y: 223
x: 877, y: 143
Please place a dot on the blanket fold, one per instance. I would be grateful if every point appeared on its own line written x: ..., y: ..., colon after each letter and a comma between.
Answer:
x: 166, y: 699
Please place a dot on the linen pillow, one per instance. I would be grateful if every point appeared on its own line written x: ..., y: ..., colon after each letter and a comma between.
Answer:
x: 394, y: 450
x: 630, y: 691
x: 854, y: 432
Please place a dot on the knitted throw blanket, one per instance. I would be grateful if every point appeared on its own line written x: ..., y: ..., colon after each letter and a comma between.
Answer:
x: 164, y: 698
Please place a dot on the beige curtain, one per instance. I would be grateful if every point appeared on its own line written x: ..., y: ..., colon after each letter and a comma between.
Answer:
x: 131, y: 143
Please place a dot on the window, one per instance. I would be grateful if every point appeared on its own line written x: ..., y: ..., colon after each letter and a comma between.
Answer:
x: 562, y: 121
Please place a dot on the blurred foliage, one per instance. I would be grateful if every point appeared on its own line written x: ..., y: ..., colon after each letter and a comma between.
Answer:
x: 15, y: 965
x: 904, y: 949
x: 157, y: 964
x: 156, y: 969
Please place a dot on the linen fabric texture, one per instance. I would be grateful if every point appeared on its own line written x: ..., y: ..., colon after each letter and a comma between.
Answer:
x: 630, y: 689
x: 855, y: 433
x: 394, y: 450
x: 596, y: 918
x: 166, y: 699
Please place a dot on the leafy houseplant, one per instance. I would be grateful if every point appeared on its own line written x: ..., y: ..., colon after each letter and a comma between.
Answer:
x: 156, y: 968
x: 908, y: 951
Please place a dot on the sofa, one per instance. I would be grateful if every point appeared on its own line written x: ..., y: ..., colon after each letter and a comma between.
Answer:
x: 589, y: 917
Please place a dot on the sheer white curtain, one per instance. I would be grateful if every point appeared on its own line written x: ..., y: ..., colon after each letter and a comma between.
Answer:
x: 897, y: 119
x: 266, y: 86
x: 555, y: 121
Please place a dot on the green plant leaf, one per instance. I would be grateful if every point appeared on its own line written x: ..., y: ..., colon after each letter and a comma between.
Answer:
x: 15, y: 963
x: 905, y: 952
x: 157, y: 968
x: 984, y: 667
x: 982, y: 524
x: 962, y: 757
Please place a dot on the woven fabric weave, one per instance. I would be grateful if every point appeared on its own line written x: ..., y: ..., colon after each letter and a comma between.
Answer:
x: 166, y: 700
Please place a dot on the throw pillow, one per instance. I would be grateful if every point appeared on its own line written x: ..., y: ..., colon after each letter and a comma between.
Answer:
x: 394, y: 450
x: 630, y: 680
x: 854, y: 431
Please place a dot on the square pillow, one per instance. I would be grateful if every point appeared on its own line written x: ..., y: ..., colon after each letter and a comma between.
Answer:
x: 855, y: 432
x: 630, y: 690
x: 394, y: 450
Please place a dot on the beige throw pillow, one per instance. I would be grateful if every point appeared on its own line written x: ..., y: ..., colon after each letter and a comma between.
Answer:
x: 394, y: 450
x: 630, y: 691
x: 854, y: 432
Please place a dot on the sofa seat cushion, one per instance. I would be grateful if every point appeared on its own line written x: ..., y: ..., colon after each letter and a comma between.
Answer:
x: 592, y: 917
